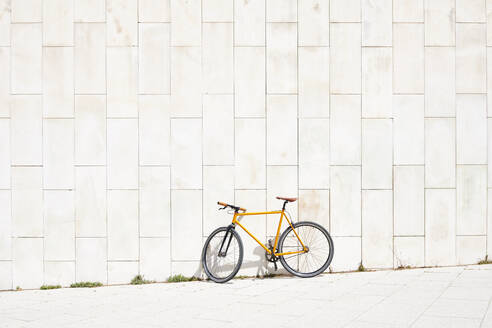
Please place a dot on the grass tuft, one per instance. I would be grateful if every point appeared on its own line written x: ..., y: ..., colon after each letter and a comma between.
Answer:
x: 86, y: 284
x: 485, y: 260
x: 181, y: 278
x: 139, y: 280
x: 403, y: 267
x: 46, y: 287
x: 18, y: 288
x: 361, y: 268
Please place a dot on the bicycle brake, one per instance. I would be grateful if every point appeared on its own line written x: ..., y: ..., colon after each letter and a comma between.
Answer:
x: 222, y: 208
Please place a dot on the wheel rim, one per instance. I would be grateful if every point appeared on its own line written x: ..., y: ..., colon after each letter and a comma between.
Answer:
x: 221, y: 267
x: 319, y: 249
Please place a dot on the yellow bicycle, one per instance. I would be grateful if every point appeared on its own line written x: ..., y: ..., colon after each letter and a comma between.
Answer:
x: 305, y: 248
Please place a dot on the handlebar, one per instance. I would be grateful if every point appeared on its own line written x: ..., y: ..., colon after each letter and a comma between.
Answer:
x: 236, y: 208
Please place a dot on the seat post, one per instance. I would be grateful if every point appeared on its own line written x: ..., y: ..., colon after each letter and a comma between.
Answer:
x: 283, y: 207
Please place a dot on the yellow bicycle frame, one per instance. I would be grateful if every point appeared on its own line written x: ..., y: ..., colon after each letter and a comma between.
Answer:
x: 282, y: 215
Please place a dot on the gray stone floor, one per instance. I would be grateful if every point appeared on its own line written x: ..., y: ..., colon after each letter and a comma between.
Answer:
x: 437, y: 297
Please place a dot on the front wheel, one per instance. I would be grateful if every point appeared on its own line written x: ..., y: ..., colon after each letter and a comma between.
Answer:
x: 319, y: 247
x: 222, y: 254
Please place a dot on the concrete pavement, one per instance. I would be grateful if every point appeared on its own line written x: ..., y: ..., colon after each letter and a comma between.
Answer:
x: 436, y: 297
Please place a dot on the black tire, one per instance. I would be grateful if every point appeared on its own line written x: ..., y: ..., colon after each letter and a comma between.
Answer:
x: 211, y: 259
x: 326, y: 247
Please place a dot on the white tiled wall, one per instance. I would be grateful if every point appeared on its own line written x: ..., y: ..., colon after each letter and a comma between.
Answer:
x: 123, y: 122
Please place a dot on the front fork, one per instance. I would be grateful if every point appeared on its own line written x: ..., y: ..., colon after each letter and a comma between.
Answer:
x: 223, y: 253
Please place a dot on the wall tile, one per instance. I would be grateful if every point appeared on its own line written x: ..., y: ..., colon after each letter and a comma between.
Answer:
x: 186, y: 23
x: 471, y: 129
x: 345, y: 11
x: 408, y: 127
x: 26, y: 62
x: 345, y: 130
x: 218, y: 186
x: 249, y: 23
x: 470, y: 249
x: 91, y: 258
x: 5, y: 151
x: 154, y: 201
x: 155, y: 258
x: 281, y: 11
x: 27, y: 262
x: 5, y: 20
x: 218, y: 58
x: 122, y: 158
x: 377, y: 225
x: 26, y: 11
x: 408, y: 11
x: 218, y: 129
x: 27, y: 221
x: 345, y: 201
x: 377, y: 23
x: 187, y: 268
x: 409, y: 251
x: 408, y: 58
x: 186, y: 216
x: 154, y: 128
x: 489, y: 151
x: 58, y: 151
x: 186, y: 153
x: 489, y: 22
x: 345, y: 58
x: 250, y: 153
x: 122, y: 272
x: 440, y: 18
x: 468, y: 11
x: 314, y: 154
x: 281, y: 130
x: 471, y: 191
x: 249, y: 82
x: 314, y: 82
x: 254, y: 261
x: 154, y: 58
x: 4, y: 83
x: 122, y: 72
x: 281, y: 181
x: 6, y: 275
x: 281, y: 67
x: 471, y: 58
x: 489, y: 221
x: 348, y: 256
x: 377, y: 82
x: 440, y: 82
x: 58, y: 89
x: 155, y: 11
x: 5, y: 225
x: 59, y: 273
x: 186, y: 82
x: 123, y: 238
x: 90, y: 201
x: 440, y: 154
x: 440, y: 227
x: 489, y: 81
x: 26, y: 130
x: 217, y: 10
x: 90, y: 130
x: 59, y: 225
x: 408, y: 200
x: 314, y: 23
x: 90, y: 52
x: 90, y: 11
x: 121, y: 16
x: 377, y: 154
x: 314, y: 205
x: 58, y: 17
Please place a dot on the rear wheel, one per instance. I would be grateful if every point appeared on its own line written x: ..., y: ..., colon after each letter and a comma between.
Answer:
x: 318, y: 256
x: 222, y: 254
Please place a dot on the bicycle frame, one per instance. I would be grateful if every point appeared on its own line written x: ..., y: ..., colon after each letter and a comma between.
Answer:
x: 282, y: 215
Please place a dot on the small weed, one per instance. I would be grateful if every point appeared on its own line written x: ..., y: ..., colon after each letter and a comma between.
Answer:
x: 139, y: 280
x: 18, y: 288
x: 241, y: 277
x: 46, y: 287
x: 361, y: 268
x: 86, y: 284
x: 269, y: 275
x: 403, y: 267
x: 485, y: 260
x: 181, y: 278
